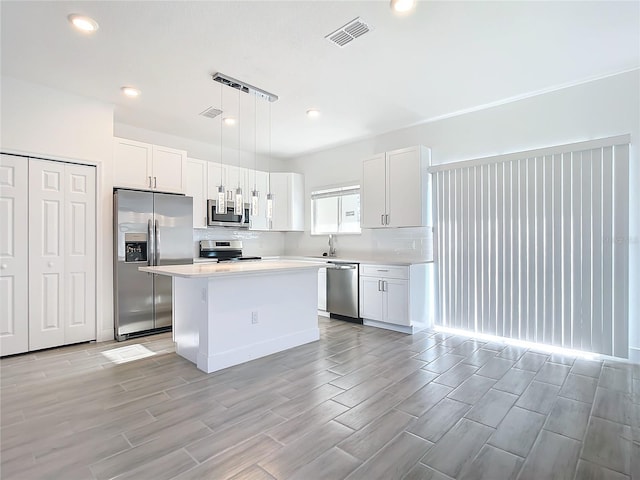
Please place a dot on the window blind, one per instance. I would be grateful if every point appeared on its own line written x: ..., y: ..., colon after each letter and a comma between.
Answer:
x: 533, y: 246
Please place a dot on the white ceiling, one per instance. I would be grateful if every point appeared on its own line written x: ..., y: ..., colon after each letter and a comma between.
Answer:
x: 446, y: 57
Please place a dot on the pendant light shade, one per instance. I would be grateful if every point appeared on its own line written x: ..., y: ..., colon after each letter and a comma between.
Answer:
x: 221, y: 204
x: 269, y: 206
x: 239, y: 206
x: 255, y: 200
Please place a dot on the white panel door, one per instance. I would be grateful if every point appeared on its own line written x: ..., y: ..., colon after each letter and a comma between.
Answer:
x: 46, y: 253
x: 371, y: 304
x: 14, y: 296
x: 169, y: 169
x: 197, y: 188
x: 80, y: 254
x: 396, y: 293
x: 132, y: 164
x: 373, y: 192
x: 404, y: 188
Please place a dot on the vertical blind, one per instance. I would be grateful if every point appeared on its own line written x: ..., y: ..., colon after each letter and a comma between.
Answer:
x: 533, y: 246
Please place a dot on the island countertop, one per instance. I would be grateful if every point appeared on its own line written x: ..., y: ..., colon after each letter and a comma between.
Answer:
x: 200, y: 270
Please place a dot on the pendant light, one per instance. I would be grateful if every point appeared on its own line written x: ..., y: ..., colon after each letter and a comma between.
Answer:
x: 254, y: 193
x: 221, y: 204
x: 269, y: 194
x: 239, y: 205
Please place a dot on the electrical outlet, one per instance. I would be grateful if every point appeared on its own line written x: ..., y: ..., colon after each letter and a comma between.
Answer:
x: 254, y: 317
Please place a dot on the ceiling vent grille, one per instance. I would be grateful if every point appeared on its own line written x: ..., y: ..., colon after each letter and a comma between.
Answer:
x: 349, y: 32
x: 243, y: 87
x: 211, y: 112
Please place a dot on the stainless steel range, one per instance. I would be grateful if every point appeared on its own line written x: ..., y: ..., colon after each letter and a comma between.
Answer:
x: 223, y: 250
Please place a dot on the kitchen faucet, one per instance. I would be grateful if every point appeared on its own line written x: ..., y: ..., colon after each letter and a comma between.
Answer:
x: 332, y: 248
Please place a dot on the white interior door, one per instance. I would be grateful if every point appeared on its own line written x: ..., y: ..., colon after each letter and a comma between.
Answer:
x: 14, y: 303
x: 46, y: 253
x: 80, y: 254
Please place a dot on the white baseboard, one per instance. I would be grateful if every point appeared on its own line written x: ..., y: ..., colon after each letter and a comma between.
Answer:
x: 218, y: 361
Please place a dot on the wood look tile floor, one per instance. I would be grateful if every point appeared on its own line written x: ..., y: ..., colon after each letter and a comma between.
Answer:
x: 360, y: 403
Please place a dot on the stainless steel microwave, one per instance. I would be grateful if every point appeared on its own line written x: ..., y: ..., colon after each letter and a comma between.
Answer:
x: 228, y: 219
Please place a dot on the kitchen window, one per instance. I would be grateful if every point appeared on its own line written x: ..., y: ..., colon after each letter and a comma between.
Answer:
x: 335, y: 210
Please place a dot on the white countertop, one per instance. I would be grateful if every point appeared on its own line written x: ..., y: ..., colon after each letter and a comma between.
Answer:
x: 201, y: 270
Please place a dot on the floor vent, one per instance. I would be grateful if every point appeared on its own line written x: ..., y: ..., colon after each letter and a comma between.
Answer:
x: 348, y: 33
x: 211, y: 112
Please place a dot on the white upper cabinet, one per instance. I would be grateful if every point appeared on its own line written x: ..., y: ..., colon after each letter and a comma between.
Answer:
x: 395, y: 190
x: 288, y: 202
x: 148, y: 167
x: 197, y: 187
x: 260, y: 180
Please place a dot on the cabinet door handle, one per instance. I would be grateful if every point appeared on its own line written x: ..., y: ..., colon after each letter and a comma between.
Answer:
x: 149, y: 181
x: 384, y: 285
x: 387, y: 219
x: 382, y: 219
x: 155, y: 182
x: 382, y: 270
x: 379, y: 287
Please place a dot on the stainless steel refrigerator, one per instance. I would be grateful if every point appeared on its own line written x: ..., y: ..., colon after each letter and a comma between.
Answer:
x: 149, y: 229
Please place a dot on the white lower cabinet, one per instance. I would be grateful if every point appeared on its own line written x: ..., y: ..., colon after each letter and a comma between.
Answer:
x: 397, y: 297
x: 60, y: 250
x: 322, y: 289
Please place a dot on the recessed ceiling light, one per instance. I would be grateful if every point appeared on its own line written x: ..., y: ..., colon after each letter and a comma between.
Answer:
x: 402, y: 6
x: 82, y: 23
x: 130, y: 91
x: 313, y: 113
x: 229, y: 121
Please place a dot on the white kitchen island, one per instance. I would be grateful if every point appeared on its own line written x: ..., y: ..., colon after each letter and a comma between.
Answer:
x: 225, y: 314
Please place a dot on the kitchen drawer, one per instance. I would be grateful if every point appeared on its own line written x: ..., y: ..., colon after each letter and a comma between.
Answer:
x: 387, y: 271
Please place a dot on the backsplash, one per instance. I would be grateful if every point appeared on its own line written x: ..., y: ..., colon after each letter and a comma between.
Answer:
x: 260, y: 244
x: 406, y: 243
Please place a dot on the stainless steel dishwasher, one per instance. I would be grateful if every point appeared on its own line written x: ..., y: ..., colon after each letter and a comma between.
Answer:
x: 342, y: 290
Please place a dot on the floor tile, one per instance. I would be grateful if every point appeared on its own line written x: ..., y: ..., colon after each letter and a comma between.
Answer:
x: 492, y: 408
x: 515, y: 381
x: 569, y: 418
x: 424, y: 399
x: 518, y: 431
x: 579, y: 387
x: 531, y: 361
x: 422, y: 472
x: 590, y: 368
x: 553, y: 373
x: 334, y: 463
x: 479, y: 357
x: 616, y: 379
x: 438, y: 420
x: 539, y: 397
x: 364, y: 443
x: 553, y: 456
x: 444, y: 363
x: 472, y: 389
x: 608, y: 444
x: 491, y: 464
x: 456, y: 375
x: 495, y: 368
x: 591, y: 471
x: 394, y: 460
x: 613, y: 405
x: 458, y: 447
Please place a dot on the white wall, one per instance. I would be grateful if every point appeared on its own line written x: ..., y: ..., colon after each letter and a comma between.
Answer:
x: 601, y: 108
x: 46, y: 123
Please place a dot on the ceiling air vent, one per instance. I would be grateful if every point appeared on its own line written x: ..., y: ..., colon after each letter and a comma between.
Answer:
x: 211, y: 112
x: 348, y: 33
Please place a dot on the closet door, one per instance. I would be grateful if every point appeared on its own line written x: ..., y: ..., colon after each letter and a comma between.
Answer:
x: 46, y: 253
x: 79, y: 316
x: 14, y: 304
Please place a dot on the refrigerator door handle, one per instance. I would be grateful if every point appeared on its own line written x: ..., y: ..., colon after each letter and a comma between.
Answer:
x: 156, y: 246
x: 150, y: 253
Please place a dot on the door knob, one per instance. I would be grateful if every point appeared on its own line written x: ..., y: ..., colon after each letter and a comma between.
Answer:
x: 3, y: 266
x: 50, y: 264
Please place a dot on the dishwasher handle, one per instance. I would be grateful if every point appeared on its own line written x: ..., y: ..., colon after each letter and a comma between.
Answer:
x: 341, y: 267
